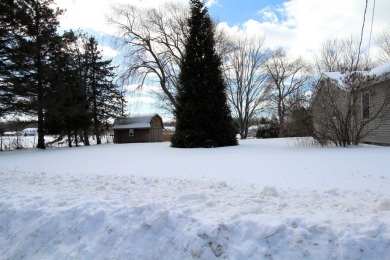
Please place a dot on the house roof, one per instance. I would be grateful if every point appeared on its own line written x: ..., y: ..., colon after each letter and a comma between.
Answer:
x: 336, y: 75
x: 380, y: 72
x: 135, y: 122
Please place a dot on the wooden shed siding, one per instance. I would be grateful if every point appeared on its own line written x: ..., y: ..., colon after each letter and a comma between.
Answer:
x: 155, y: 135
x: 122, y: 136
x: 381, y: 126
x: 155, y: 131
x: 152, y: 134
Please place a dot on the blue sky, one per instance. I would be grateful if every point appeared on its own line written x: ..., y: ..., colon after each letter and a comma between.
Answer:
x: 239, y: 11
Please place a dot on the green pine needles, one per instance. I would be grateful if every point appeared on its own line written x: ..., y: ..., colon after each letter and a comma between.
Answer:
x: 202, y: 115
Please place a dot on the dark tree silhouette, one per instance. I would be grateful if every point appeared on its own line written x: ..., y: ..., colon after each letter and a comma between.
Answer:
x: 202, y: 114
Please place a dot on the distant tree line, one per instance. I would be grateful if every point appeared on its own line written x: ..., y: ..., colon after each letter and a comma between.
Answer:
x: 64, y: 82
x: 61, y: 80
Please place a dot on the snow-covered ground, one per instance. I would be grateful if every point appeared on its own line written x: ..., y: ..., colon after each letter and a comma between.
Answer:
x: 263, y: 199
x: 10, y: 143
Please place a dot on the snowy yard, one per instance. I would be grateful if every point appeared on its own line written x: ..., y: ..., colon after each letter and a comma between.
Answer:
x: 263, y: 199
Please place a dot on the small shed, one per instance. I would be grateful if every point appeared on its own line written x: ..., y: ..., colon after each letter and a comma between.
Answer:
x: 138, y: 129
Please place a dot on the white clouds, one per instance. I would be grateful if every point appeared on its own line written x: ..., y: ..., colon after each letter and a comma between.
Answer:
x: 141, y: 98
x: 298, y: 25
x: 211, y: 2
x: 268, y: 15
x: 301, y: 25
x: 85, y: 15
x: 108, y: 51
x: 91, y: 15
x: 136, y: 100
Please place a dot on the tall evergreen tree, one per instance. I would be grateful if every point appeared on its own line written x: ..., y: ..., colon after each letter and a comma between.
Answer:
x: 83, y: 95
x: 202, y: 114
x: 68, y: 111
x: 28, y: 47
x: 104, y: 96
x: 13, y: 21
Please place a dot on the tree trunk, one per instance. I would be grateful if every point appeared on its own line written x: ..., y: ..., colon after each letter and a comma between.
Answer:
x: 69, y: 133
x: 40, y: 92
x: 75, y: 138
x: 281, y: 121
x: 41, y: 133
x: 86, y: 137
x: 96, y: 123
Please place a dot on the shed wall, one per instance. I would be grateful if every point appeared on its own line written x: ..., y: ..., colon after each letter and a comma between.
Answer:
x: 122, y: 136
x: 152, y: 134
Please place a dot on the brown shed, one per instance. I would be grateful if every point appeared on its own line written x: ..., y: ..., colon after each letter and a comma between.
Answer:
x: 138, y: 129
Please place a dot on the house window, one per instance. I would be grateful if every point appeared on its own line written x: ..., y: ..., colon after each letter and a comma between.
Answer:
x: 131, y: 132
x: 366, y: 105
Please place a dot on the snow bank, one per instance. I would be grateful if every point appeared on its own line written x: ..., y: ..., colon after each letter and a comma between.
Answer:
x: 85, y: 210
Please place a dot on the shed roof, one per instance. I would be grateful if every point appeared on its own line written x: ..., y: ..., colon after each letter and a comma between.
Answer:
x: 135, y: 122
x: 30, y: 129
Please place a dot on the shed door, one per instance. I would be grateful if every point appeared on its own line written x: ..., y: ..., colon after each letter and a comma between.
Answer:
x: 154, y: 135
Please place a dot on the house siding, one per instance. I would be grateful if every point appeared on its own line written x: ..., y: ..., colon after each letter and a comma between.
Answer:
x: 377, y: 131
x: 379, y: 128
x: 328, y: 99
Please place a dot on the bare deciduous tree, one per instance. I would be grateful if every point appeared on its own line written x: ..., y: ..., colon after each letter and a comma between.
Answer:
x: 152, y: 43
x: 246, y: 77
x: 383, y: 42
x: 339, y: 55
x: 288, y: 79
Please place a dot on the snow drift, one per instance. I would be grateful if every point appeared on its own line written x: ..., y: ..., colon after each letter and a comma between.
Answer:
x: 263, y: 199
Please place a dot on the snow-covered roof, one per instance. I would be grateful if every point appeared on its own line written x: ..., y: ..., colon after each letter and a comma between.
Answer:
x: 136, y: 122
x: 30, y: 129
x: 9, y: 133
x: 381, y: 69
x: 381, y: 72
x: 336, y: 75
x: 132, y: 126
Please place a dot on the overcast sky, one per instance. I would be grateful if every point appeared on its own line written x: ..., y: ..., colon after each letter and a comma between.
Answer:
x: 299, y: 26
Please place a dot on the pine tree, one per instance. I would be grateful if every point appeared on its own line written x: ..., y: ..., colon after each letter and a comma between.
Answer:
x: 68, y: 111
x: 28, y: 46
x: 202, y: 115
x: 13, y: 21
x: 83, y: 95
x: 104, y: 96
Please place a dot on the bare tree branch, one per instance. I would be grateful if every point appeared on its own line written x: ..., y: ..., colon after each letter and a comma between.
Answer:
x: 288, y: 80
x: 383, y: 42
x: 153, y: 44
x: 244, y: 70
